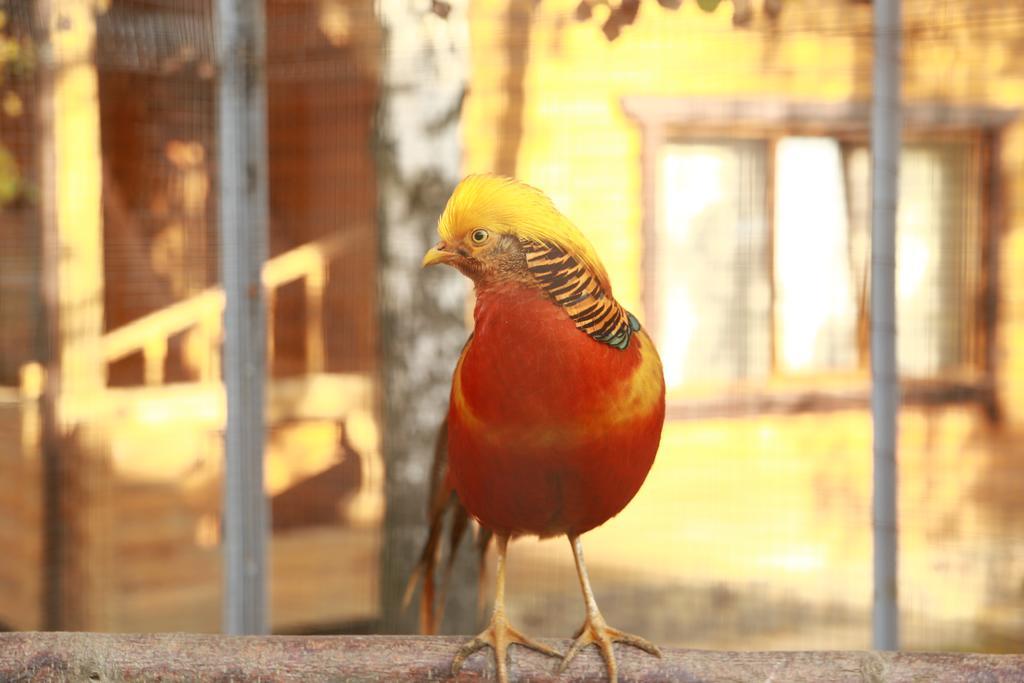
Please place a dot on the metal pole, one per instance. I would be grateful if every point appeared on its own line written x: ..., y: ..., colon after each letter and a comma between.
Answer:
x: 243, y: 218
x: 885, y: 155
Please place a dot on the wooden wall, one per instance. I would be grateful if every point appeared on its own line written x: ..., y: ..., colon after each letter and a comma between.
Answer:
x: 22, y: 528
x: 142, y: 486
x: 322, y: 97
x: 159, y: 146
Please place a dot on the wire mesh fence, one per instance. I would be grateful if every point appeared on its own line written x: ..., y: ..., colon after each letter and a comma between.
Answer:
x: 720, y: 166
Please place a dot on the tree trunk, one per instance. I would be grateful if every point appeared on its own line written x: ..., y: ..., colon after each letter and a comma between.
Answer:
x: 423, y: 82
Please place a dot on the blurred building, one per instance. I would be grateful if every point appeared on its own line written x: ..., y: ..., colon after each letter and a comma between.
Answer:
x: 720, y: 164
x: 133, y: 519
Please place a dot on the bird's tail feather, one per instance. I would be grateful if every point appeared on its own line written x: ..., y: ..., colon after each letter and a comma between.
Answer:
x: 424, y: 570
x: 442, y: 500
x: 457, y: 529
x: 441, y: 495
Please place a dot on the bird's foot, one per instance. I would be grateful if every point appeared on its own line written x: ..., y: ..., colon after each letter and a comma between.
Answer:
x: 499, y: 634
x: 595, y: 630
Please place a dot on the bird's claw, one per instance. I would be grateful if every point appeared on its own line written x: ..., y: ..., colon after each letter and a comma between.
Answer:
x: 595, y: 630
x: 499, y: 635
x: 468, y: 648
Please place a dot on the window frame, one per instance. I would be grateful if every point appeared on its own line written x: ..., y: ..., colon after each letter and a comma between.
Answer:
x: 666, y: 120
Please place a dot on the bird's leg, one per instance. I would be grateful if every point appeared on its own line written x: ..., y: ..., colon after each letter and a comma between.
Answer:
x: 499, y: 634
x: 595, y: 629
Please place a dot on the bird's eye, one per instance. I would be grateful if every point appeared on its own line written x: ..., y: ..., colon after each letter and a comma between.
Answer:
x: 479, y: 236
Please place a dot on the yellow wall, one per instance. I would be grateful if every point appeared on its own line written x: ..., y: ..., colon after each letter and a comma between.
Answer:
x: 775, y: 503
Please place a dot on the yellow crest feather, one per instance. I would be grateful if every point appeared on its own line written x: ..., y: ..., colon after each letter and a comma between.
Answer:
x: 508, y: 206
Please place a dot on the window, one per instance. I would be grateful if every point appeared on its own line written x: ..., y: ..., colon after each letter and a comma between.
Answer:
x: 715, y: 281
x: 762, y: 257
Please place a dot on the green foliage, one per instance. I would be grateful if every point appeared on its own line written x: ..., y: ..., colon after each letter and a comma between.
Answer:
x: 10, y: 177
x: 16, y: 59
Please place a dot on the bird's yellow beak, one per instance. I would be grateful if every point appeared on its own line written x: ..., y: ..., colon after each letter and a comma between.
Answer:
x: 439, y: 253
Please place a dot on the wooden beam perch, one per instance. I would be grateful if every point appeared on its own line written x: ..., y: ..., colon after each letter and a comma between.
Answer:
x: 199, y: 657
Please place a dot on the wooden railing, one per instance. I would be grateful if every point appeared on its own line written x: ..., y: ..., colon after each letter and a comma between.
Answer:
x: 202, y: 315
x: 201, y: 657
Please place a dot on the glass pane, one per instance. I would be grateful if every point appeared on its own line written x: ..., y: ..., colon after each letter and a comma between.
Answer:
x: 715, y: 287
x: 930, y: 278
x: 815, y: 294
x: 935, y: 252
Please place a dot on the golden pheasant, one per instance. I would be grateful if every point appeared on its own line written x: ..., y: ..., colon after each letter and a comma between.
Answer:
x: 557, y: 400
